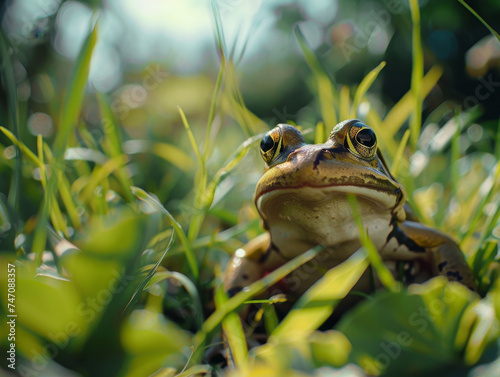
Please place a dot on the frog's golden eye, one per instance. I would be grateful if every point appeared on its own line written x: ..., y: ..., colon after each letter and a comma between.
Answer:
x: 361, y: 141
x: 270, y: 145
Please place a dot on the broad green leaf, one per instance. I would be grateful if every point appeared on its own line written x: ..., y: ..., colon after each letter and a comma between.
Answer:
x: 47, y: 307
x: 117, y: 236
x: 304, y: 352
x: 418, y: 331
x: 151, y: 342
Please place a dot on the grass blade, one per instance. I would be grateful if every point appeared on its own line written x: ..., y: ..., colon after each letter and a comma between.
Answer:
x: 112, y: 144
x: 184, y: 281
x: 398, y: 114
x: 230, y: 164
x: 417, y: 73
x: 70, y: 111
x: 200, y: 182
x: 195, y: 370
x: 211, y: 115
x: 376, y: 261
x: 67, y: 199
x: 497, y: 141
x: 170, y: 153
x: 344, y: 102
x: 399, y: 156
x: 8, y: 76
x: 192, y: 140
x: 363, y: 87
x: 253, y: 289
x: 325, y: 88
x: 142, y: 195
x: 144, y: 282
x: 480, y: 19
x: 233, y: 330
x: 23, y: 148
x: 99, y: 174
x: 478, y: 212
x: 320, y: 134
x: 455, y: 156
x: 318, y: 303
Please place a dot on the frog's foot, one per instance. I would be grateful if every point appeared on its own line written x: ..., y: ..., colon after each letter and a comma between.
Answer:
x: 449, y: 261
x: 443, y: 254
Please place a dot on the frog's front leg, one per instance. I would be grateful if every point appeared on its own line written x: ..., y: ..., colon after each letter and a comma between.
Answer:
x: 245, y: 266
x: 444, y: 255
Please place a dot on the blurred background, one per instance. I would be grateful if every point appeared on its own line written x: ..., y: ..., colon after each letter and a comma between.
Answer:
x: 174, y: 43
x: 153, y: 56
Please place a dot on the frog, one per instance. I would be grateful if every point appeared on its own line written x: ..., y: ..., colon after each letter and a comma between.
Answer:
x: 302, y: 199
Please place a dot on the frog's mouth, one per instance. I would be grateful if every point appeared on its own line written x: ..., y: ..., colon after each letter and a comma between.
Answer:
x: 313, y: 197
x: 311, y: 182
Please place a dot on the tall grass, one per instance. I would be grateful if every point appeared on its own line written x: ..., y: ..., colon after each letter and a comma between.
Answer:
x: 111, y: 281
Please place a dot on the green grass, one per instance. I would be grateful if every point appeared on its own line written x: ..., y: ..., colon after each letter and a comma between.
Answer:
x: 114, y: 280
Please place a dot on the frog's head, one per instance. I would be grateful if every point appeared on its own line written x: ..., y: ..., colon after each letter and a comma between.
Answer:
x: 302, y: 194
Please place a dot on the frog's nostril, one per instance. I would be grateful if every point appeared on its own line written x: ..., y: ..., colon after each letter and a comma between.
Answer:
x: 323, y: 154
x: 327, y: 154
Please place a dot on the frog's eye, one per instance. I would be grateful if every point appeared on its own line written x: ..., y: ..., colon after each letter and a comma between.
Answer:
x: 361, y: 141
x: 277, y: 144
x: 366, y: 137
x: 270, y: 146
x: 266, y: 144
